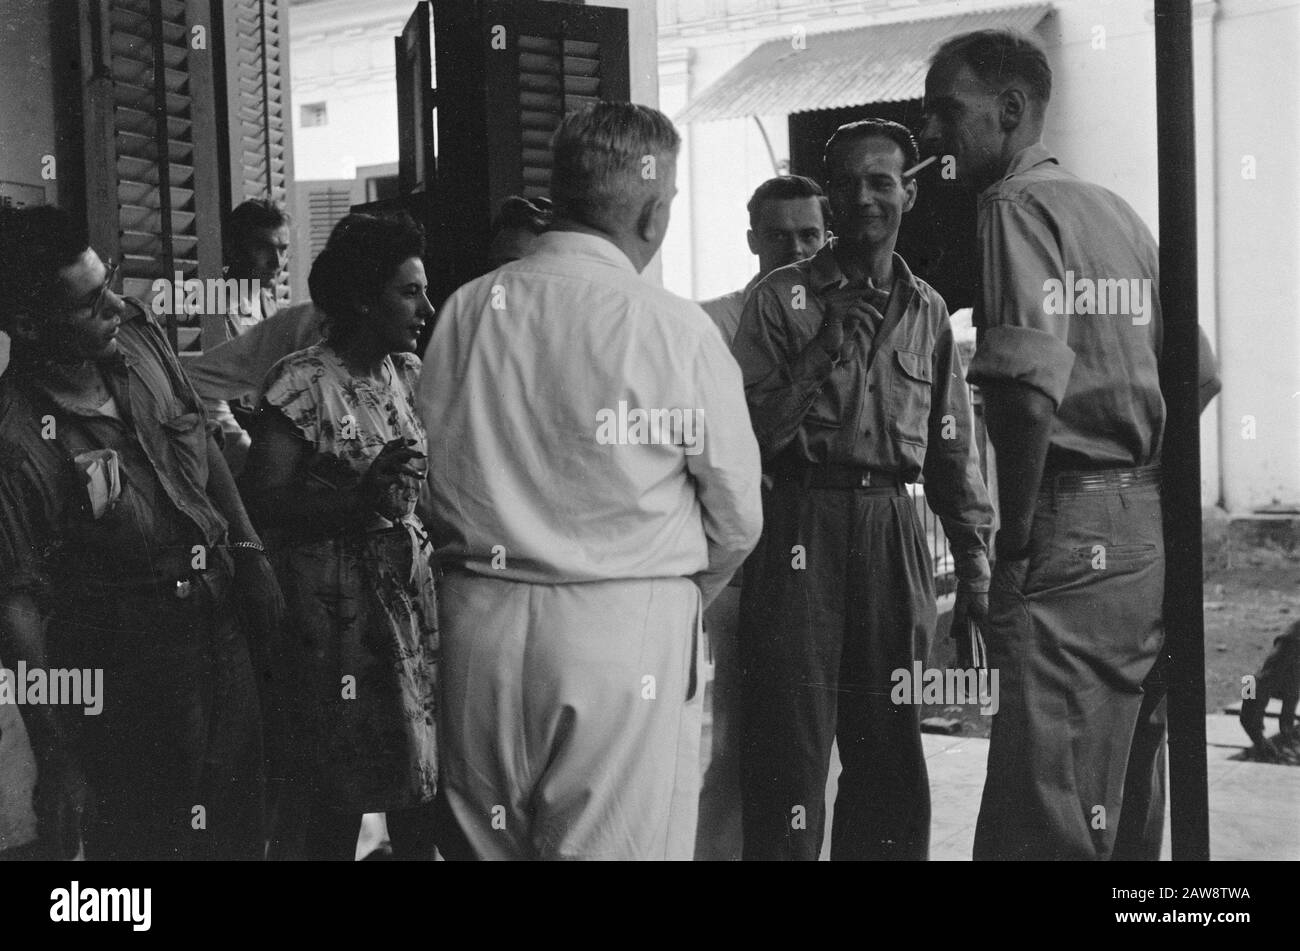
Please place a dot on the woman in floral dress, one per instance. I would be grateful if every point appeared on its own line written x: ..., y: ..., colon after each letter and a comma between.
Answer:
x: 335, y: 475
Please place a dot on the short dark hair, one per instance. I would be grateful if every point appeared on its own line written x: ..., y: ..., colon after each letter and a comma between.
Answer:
x: 362, y: 255
x: 518, y: 212
x: 35, y: 244
x: 787, y: 188
x: 996, y: 56
x: 852, y: 132
x: 599, y: 164
x: 255, y: 214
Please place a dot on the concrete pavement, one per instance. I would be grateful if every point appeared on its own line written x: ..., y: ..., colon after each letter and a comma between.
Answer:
x: 1254, y: 807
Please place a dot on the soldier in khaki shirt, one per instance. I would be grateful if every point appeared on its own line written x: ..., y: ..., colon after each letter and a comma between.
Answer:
x: 855, y: 389
x: 1068, y: 364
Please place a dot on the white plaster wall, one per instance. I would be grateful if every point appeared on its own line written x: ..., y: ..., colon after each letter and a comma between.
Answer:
x: 1258, y: 97
x: 342, y: 55
x: 27, y: 95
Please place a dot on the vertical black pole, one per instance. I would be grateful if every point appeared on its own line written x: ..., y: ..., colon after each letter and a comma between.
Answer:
x: 1181, y: 454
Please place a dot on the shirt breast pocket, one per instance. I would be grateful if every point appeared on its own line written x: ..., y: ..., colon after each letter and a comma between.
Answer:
x: 909, y: 390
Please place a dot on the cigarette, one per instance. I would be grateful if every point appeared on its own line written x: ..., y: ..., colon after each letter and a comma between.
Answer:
x: 920, y: 165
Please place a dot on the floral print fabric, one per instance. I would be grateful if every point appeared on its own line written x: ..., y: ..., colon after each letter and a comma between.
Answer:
x: 358, y: 666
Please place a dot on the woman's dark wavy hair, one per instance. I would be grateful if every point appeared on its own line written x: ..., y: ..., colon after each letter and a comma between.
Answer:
x: 362, y: 255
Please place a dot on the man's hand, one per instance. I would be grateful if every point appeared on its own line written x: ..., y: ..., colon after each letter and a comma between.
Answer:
x: 831, y: 334
x: 970, y: 606
x: 61, y: 801
x: 258, y: 594
x: 842, y: 315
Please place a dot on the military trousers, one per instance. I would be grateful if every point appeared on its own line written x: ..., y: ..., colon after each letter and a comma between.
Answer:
x: 840, y: 596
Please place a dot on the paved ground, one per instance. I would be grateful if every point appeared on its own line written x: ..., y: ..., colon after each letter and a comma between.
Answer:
x: 1254, y: 807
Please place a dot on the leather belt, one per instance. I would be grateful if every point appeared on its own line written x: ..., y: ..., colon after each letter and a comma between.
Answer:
x: 1100, y: 480
x: 858, y: 479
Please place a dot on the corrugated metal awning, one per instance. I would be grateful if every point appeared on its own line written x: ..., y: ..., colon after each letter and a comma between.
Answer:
x: 884, y: 63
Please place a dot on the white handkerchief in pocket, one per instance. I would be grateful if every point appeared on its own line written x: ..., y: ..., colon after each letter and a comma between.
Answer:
x: 101, y: 470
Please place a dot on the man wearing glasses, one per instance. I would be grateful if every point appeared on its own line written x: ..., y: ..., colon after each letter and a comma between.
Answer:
x: 124, y: 549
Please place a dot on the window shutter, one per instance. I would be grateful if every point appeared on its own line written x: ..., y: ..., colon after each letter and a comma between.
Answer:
x: 326, y: 206
x: 317, y: 207
x: 556, y: 76
x: 525, y: 64
x: 257, y: 99
x: 152, y: 181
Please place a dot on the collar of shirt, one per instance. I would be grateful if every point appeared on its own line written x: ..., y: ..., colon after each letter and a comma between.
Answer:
x: 114, y: 368
x: 824, y: 271
x: 581, y: 244
x: 1025, y: 159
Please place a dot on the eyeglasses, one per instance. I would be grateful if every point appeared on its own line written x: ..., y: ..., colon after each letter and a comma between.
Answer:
x: 98, y: 305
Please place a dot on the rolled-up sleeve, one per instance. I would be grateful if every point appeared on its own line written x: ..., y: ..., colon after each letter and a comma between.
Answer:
x: 1021, y: 343
x: 725, y: 466
x: 954, y: 485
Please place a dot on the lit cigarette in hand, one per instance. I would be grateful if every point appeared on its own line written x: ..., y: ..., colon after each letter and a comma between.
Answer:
x: 920, y: 165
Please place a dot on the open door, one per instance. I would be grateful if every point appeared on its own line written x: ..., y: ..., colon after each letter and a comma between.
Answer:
x: 506, y: 75
x: 417, y: 166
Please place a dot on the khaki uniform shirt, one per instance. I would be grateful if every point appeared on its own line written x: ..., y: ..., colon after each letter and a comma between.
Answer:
x: 898, y: 405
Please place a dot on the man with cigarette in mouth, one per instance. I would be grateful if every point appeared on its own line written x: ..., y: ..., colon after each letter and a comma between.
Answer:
x: 1075, y: 413
x: 855, y: 390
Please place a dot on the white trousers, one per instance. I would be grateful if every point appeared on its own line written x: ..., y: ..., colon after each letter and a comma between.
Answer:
x: 570, y: 716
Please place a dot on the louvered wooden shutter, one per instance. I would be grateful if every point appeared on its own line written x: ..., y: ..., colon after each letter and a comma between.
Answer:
x: 317, y: 207
x: 506, y: 74
x: 153, y: 196
x: 256, y: 71
x: 556, y: 76
x: 257, y: 96
x: 326, y: 206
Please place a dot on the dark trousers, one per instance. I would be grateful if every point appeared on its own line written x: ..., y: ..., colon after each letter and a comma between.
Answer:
x: 1142, y: 818
x: 818, y: 643
x: 174, y: 760
x: 1075, y: 629
x: 718, y: 834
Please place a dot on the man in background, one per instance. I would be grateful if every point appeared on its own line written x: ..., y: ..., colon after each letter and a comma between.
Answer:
x: 788, y: 217
x: 789, y: 220
x: 515, y: 228
x: 257, y: 248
